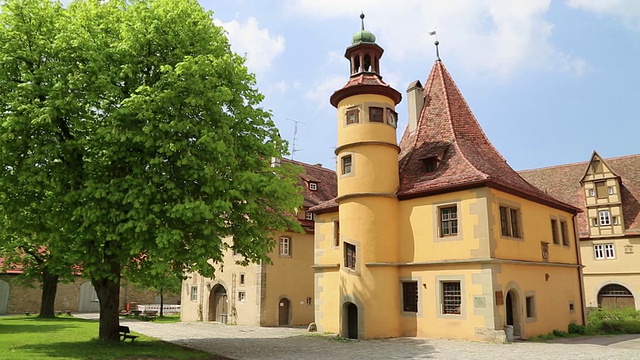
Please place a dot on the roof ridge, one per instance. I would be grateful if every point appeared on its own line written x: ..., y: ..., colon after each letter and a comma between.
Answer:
x: 615, y: 158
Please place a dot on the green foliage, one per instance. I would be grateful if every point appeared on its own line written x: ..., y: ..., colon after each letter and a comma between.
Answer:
x: 559, y: 333
x: 70, y: 338
x: 597, y: 317
x: 131, y: 136
x: 577, y: 329
x: 620, y: 327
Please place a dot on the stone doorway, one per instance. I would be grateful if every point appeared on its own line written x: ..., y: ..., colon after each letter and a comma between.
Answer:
x: 284, y: 306
x: 218, y: 304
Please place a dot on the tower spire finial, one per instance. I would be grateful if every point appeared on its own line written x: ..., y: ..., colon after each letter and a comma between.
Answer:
x: 362, y: 19
x: 437, y: 50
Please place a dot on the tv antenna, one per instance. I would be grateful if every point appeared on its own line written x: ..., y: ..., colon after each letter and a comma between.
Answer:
x: 294, y: 149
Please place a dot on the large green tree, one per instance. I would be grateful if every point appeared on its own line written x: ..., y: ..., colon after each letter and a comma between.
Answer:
x: 133, y: 129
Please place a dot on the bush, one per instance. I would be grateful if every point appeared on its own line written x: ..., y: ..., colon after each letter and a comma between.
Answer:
x: 559, y: 333
x: 598, y: 317
x: 621, y: 327
x: 577, y: 329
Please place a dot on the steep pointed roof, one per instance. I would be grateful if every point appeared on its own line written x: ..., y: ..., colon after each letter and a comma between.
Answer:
x: 448, y: 131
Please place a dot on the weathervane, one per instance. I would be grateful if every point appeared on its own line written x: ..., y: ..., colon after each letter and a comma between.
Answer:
x: 432, y: 33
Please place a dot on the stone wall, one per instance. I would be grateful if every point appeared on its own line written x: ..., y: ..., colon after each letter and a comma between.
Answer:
x: 23, y: 298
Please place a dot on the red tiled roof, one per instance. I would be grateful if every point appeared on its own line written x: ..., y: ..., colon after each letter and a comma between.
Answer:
x: 365, y: 82
x: 447, y: 128
x: 563, y: 182
x: 323, y: 177
x: 12, y: 269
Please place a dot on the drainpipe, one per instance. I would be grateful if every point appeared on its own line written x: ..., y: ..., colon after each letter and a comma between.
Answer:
x: 580, y: 275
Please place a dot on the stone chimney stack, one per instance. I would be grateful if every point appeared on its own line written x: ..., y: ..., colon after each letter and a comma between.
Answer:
x: 415, y: 101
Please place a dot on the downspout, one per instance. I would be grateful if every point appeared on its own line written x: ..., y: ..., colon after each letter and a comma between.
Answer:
x: 580, y: 275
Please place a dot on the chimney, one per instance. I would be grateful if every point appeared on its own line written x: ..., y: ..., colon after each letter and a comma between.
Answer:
x: 415, y: 101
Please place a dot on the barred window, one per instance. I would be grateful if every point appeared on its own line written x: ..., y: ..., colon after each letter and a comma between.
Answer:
x: 451, y: 297
x: 350, y: 256
x: 410, y: 296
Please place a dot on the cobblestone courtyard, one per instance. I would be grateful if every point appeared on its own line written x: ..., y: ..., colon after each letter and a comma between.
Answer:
x: 249, y: 342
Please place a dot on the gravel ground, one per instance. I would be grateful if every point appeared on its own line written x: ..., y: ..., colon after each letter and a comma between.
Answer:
x: 250, y: 342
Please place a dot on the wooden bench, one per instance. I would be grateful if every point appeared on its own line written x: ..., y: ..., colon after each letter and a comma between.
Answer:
x: 125, y: 333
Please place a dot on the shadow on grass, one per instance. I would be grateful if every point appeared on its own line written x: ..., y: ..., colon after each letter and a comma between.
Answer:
x: 96, y: 350
x: 15, y: 325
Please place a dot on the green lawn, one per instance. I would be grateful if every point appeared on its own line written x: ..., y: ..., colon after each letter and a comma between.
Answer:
x: 23, y: 337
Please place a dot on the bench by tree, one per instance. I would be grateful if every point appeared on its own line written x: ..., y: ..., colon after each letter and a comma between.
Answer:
x: 125, y: 333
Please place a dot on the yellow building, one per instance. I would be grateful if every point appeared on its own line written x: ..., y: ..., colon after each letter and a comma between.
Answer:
x: 259, y: 294
x: 607, y: 191
x: 436, y: 236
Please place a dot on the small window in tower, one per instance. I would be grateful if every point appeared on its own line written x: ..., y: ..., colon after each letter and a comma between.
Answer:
x: 313, y: 186
x: 376, y: 114
x: 392, y: 118
x: 346, y: 164
x: 352, y: 116
x: 350, y: 256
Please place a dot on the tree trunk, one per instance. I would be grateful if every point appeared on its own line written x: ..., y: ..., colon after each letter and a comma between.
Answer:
x: 161, y: 302
x: 108, y: 291
x: 48, y: 297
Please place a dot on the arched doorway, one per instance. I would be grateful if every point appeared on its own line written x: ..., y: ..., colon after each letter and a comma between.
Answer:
x: 615, y: 296
x: 284, y: 307
x: 88, y: 301
x: 4, y: 297
x: 218, y: 304
x: 512, y: 308
x: 350, y: 320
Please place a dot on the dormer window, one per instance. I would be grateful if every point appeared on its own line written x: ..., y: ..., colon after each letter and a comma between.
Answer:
x: 313, y: 186
x: 308, y: 215
x: 430, y: 164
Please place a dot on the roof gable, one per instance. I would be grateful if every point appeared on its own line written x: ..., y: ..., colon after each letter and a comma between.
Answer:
x: 597, y: 169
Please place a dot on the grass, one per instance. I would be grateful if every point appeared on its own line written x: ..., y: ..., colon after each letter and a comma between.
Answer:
x: 23, y: 338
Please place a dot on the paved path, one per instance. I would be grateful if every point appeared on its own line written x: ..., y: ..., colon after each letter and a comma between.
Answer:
x: 249, y: 342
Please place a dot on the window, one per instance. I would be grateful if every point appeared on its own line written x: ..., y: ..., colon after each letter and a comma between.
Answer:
x: 554, y: 231
x: 313, y: 186
x: 309, y: 301
x: 352, y: 116
x: 605, y: 217
x: 242, y: 296
x: 451, y: 297
x: 346, y: 164
x: 308, y: 215
x: 430, y: 164
x: 350, y: 256
x: 392, y: 118
x: 592, y: 192
x: 530, y: 307
x: 510, y: 222
x: 601, y: 190
x: 410, y: 296
x: 610, y: 189
x: 449, y: 221
x: 285, y: 246
x: 336, y: 233
x: 241, y: 279
x: 604, y: 251
x: 564, y: 231
x: 194, y: 293
x: 376, y: 114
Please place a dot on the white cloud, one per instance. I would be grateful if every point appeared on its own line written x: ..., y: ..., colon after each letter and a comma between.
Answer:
x: 321, y: 91
x: 495, y: 38
x: 625, y: 11
x: 259, y: 46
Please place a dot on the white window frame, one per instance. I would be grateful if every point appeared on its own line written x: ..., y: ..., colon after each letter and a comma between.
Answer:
x: 308, y: 215
x: 604, y: 251
x: 194, y: 293
x: 313, y: 186
x: 242, y: 296
x: 604, y: 217
x: 285, y: 246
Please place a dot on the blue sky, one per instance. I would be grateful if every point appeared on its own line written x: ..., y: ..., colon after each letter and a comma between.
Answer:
x: 549, y: 81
